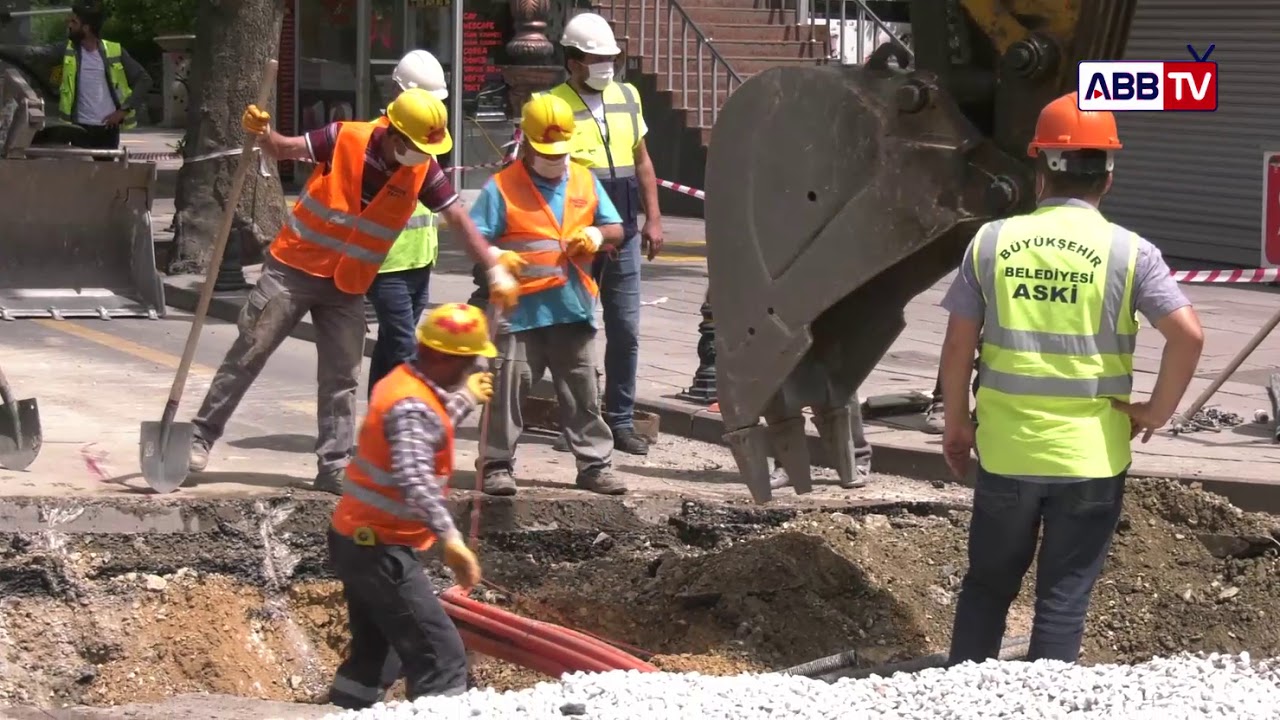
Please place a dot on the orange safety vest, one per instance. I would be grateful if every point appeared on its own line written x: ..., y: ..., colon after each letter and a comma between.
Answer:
x: 370, y: 496
x: 532, y: 230
x: 328, y: 235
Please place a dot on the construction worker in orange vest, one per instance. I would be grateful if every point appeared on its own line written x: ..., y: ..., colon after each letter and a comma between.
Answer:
x: 393, y: 505
x: 368, y: 179
x: 549, y: 217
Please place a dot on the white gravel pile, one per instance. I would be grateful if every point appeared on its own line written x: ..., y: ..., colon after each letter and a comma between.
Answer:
x: 1176, y: 688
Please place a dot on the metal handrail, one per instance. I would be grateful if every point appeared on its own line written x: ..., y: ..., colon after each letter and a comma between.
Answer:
x: 651, y: 47
x: 805, y: 16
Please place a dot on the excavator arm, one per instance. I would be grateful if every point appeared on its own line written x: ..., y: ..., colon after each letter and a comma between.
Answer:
x: 837, y: 194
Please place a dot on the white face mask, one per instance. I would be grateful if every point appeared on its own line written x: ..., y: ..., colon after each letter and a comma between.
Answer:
x: 601, y: 75
x: 549, y: 168
x: 411, y: 158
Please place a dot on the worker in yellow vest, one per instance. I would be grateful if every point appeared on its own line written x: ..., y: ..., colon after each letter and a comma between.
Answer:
x: 609, y: 140
x: 1056, y: 294
x: 100, y: 87
x: 400, y: 292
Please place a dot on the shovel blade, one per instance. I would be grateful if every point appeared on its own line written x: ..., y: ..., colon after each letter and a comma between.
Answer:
x: 20, y: 442
x: 165, y: 465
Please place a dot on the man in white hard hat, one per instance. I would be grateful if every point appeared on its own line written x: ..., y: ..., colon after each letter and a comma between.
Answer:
x: 399, y: 293
x: 613, y: 147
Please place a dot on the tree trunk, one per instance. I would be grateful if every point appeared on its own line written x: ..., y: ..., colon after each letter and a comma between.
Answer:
x: 234, y: 41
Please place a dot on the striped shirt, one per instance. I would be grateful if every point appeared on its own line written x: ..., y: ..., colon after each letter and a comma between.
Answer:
x: 437, y: 191
x: 415, y: 433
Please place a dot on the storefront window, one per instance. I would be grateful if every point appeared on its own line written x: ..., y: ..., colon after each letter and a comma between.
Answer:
x: 486, y: 28
x: 327, y: 62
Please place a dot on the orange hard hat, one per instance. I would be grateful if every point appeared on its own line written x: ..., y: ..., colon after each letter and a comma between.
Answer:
x: 1064, y: 126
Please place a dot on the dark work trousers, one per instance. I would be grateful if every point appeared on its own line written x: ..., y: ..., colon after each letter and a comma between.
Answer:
x: 398, y: 299
x: 98, y: 137
x: 398, y: 627
x: 618, y: 275
x: 1078, y: 520
x: 480, y: 295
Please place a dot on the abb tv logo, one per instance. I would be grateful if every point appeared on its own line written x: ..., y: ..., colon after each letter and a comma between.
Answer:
x: 1121, y: 86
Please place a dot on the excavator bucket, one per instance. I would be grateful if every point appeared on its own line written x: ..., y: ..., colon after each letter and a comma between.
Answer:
x: 837, y: 194
x: 77, y: 223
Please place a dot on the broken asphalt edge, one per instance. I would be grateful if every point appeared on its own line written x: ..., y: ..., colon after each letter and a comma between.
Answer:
x: 689, y: 421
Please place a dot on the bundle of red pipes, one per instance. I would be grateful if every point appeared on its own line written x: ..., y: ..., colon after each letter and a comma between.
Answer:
x: 543, y: 647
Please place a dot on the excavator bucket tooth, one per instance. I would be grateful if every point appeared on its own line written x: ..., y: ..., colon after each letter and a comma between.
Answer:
x: 750, y: 448
x: 77, y: 236
x: 835, y: 195
x: 835, y: 428
x: 791, y: 451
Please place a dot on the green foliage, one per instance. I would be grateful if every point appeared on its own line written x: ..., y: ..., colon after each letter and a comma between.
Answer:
x: 132, y: 23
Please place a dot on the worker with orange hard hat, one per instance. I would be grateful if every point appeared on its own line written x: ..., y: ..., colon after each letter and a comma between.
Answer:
x: 1055, y: 294
x: 393, y: 505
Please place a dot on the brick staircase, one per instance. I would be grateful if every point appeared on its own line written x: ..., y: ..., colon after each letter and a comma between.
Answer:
x: 724, y: 43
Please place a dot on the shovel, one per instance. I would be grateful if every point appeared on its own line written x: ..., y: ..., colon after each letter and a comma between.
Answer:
x: 165, y: 447
x: 19, y: 429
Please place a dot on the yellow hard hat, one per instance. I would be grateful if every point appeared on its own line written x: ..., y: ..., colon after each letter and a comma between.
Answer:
x: 547, y: 123
x: 457, y: 329
x: 421, y: 117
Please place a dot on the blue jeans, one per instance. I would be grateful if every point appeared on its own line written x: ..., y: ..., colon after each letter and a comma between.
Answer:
x: 398, y: 298
x: 1078, y: 520
x: 619, y: 280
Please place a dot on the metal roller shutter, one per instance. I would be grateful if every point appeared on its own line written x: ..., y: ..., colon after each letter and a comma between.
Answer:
x: 1192, y: 182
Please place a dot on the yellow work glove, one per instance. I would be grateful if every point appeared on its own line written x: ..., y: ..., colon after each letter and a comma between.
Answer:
x: 503, y: 288
x: 585, y: 243
x: 463, y: 563
x: 509, y: 260
x: 480, y: 385
x: 255, y: 121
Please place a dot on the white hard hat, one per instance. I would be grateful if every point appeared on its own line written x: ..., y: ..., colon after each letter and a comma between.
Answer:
x: 421, y: 69
x: 591, y: 34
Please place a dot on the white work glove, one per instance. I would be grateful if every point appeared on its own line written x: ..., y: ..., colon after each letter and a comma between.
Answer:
x: 585, y: 243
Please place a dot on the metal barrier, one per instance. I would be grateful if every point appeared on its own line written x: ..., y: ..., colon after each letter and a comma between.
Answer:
x: 667, y: 45
x: 76, y: 240
x: 862, y: 15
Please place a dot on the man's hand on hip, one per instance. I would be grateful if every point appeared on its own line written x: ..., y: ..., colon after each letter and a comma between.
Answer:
x: 115, y: 118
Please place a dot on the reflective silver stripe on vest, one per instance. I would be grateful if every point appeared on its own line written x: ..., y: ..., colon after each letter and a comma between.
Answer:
x: 530, y: 245
x: 1056, y: 387
x: 1107, y: 341
x: 375, y: 473
x: 337, y: 217
x: 541, y: 271
x: 417, y: 222
x: 375, y: 500
x: 618, y: 172
x: 354, y: 252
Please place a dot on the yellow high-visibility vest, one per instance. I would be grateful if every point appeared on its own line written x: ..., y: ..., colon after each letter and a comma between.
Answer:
x: 623, y: 117
x: 116, y: 80
x: 1058, y: 342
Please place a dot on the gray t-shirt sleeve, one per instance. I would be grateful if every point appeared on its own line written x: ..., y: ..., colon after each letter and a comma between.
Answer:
x: 964, y: 297
x: 1155, y: 293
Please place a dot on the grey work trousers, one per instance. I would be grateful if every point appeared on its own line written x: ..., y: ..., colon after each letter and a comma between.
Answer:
x: 282, y: 297
x: 567, y: 352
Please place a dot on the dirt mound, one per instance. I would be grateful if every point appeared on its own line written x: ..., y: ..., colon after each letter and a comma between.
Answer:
x: 718, y: 594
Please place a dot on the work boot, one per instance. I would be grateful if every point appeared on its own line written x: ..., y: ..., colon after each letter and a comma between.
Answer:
x: 561, y: 443
x: 626, y: 440
x: 601, y: 480
x: 499, y: 482
x: 861, y: 474
x: 934, y: 418
x: 779, y: 479
x: 328, y: 482
x: 199, y: 455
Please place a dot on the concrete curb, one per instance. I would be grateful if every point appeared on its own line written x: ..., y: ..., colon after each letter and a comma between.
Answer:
x: 695, y: 423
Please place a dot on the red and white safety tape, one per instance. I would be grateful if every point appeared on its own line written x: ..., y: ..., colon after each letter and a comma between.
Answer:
x: 683, y: 189
x: 1255, y: 275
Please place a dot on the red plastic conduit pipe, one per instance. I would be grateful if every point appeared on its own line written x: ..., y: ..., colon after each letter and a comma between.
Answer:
x: 542, y: 647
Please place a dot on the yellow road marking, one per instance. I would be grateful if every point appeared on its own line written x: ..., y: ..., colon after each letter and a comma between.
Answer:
x: 149, y: 354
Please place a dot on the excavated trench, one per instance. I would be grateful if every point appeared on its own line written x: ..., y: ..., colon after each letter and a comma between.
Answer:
x: 133, y: 602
